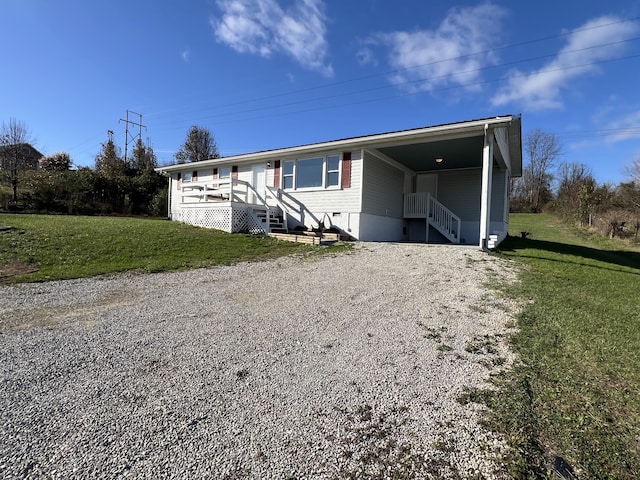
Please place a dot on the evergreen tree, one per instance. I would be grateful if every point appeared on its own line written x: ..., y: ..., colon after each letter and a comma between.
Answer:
x: 109, y: 163
x: 144, y: 159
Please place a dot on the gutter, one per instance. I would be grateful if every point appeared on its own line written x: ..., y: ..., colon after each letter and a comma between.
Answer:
x: 373, y: 141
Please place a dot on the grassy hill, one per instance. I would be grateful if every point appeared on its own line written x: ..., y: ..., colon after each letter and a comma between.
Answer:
x: 52, y: 247
x: 573, y: 400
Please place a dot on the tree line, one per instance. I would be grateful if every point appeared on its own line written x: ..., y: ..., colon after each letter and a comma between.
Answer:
x: 570, y: 190
x: 115, y: 185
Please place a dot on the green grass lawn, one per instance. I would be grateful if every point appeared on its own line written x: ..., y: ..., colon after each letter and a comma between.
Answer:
x: 575, y: 392
x: 59, y: 247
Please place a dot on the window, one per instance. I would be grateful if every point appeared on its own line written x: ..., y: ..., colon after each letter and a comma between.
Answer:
x: 309, y: 173
x: 333, y: 171
x: 186, y: 177
x: 317, y: 172
x: 225, y: 172
x: 287, y: 174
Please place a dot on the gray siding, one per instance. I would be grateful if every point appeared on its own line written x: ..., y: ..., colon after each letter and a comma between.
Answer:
x: 460, y: 192
x: 382, y: 188
x: 497, y: 195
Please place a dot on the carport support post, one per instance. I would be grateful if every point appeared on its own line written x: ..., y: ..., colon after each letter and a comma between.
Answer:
x: 485, y: 199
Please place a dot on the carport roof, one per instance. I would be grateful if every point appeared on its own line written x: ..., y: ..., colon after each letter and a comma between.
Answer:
x: 458, y: 144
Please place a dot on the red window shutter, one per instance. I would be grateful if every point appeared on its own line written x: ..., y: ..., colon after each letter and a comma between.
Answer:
x: 276, y: 174
x: 194, y: 176
x: 346, y: 170
x: 215, y: 176
x: 179, y: 180
x: 234, y: 171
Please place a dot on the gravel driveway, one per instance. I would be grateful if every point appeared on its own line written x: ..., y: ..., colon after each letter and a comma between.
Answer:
x: 345, y: 366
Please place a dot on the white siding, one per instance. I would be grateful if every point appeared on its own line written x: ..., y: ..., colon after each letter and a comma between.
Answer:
x: 340, y: 205
x: 175, y: 199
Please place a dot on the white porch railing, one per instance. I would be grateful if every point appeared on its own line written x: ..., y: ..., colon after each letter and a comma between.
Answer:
x: 423, y: 205
x: 229, y: 192
x: 292, y: 206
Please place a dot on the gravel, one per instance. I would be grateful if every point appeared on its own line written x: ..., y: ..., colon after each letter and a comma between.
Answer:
x: 331, y: 367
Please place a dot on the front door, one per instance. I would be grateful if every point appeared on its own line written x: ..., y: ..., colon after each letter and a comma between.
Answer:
x: 259, y: 182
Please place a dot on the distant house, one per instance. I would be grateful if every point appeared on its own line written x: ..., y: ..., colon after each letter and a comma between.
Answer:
x: 22, y: 156
x: 445, y: 183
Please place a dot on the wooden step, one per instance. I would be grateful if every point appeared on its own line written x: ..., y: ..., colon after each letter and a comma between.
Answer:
x: 308, y: 239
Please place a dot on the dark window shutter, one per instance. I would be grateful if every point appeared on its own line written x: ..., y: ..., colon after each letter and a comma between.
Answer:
x: 215, y: 173
x: 346, y: 170
x: 194, y: 176
x: 234, y: 171
x: 276, y: 174
x: 179, y: 180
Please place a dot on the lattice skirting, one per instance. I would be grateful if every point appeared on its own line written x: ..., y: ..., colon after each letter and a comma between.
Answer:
x: 228, y: 219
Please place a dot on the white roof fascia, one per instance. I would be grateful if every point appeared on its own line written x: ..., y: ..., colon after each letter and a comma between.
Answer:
x: 454, y: 130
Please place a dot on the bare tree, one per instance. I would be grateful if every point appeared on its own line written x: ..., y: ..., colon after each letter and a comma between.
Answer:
x: 199, y: 145
x: 16, y: 151
x: 633, y: 170
x: 543, y: 150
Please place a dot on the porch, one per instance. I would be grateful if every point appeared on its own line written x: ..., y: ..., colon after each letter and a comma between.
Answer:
x: 236, y: 206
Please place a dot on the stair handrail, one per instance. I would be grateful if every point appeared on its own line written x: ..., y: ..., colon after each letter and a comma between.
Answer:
x: 302, y: 208
x: 280, y: 203
x: 443, y: 217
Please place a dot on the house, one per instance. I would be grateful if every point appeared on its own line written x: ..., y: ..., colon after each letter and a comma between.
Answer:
x: 21, y: 156
x: 445, y: 183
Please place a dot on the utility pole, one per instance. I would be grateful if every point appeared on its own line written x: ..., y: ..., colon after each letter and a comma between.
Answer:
x: 126, y: 132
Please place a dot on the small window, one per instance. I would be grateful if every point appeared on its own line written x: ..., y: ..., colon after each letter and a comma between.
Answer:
x: 309, y: 173
x: 225, y: 172
x: 333, y: 170
x: 186, y: 177
x: 287, y: 174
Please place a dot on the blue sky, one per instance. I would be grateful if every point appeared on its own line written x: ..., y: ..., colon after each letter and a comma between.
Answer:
x: 264, y: 74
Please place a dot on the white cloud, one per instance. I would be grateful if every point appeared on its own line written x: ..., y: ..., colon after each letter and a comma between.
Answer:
x: 263, y: 27
x: 541, y: 89
x: 185, y: 55
x: 451, y: 54
x: 625, y: 127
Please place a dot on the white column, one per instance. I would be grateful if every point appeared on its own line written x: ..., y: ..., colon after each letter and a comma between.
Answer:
x: 485, y: 199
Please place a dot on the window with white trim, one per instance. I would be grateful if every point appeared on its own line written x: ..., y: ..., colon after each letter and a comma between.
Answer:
x: 187, y: 177
x: 287, y: 174
x: 225, y: 172
x: 311, y: 173
x: 333, y: 171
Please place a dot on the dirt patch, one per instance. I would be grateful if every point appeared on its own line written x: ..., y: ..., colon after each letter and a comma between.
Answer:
x: 14, y: 269
x: 56, y: 317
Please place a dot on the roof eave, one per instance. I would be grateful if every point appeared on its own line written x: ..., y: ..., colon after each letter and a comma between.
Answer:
x: 461, y: 129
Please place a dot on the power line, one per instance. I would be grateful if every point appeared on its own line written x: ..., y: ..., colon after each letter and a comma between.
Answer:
x: 414, y: 67
x: 431, y: 79
x: 402, y: 95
